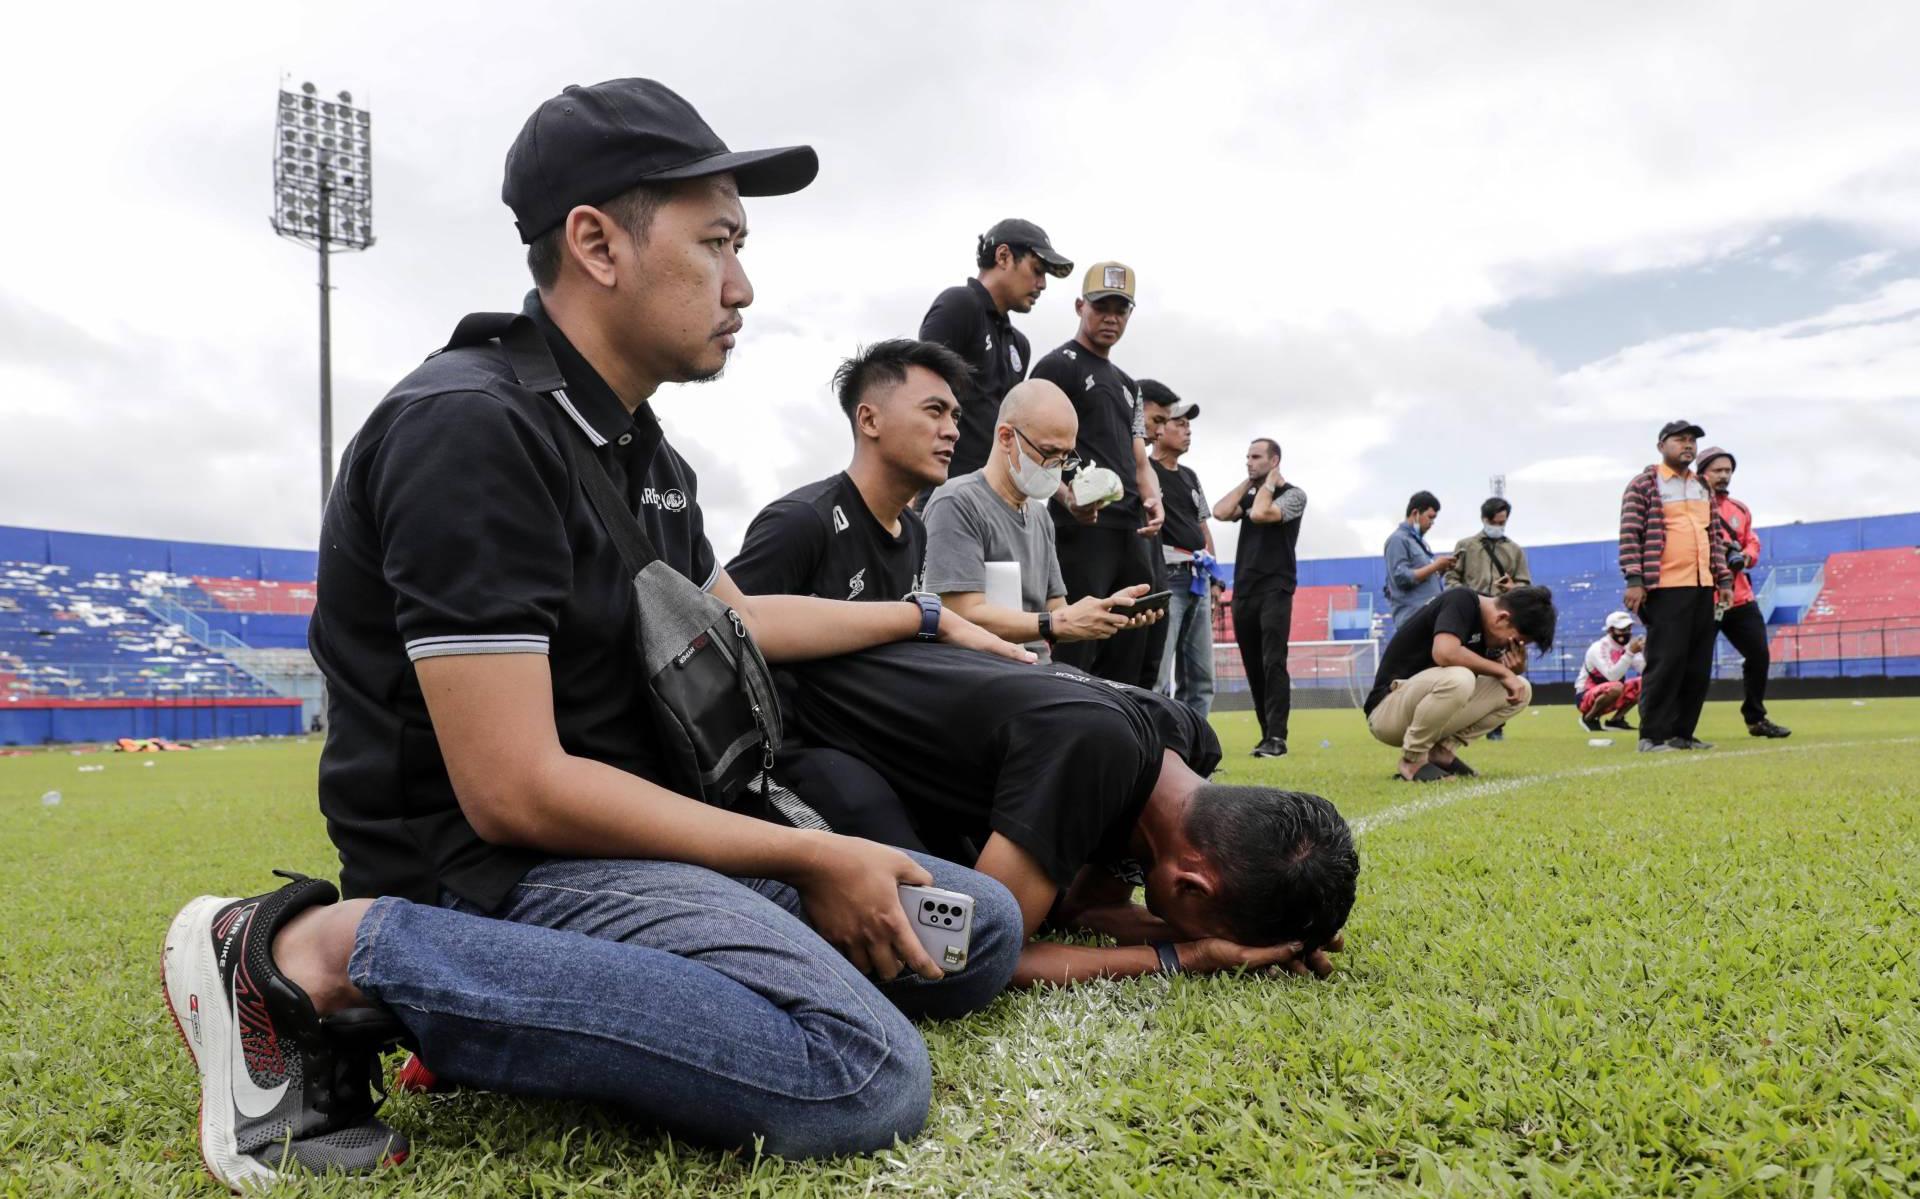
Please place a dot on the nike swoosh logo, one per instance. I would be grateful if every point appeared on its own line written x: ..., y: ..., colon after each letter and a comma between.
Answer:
x: 249, y: 1098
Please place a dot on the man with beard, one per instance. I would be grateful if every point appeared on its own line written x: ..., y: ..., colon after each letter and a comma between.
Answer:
x: 1265, y: 574
x: 1673, y: 555
x: 1015, y: 260
x: 1745, y: 628
x: 1185, y: 669
x: 1104, y: 545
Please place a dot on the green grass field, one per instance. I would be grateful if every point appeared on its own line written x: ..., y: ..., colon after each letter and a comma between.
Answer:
x: 1589, y: 972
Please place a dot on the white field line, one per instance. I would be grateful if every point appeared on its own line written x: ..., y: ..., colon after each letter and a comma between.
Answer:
x: 1442, y: 795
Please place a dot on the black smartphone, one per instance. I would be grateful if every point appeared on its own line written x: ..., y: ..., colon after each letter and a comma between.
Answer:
x: 1156, y: 602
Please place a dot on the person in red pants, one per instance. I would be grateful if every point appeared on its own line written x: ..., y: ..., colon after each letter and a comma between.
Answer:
x: 1603, y: 688
x: 1742, y: 623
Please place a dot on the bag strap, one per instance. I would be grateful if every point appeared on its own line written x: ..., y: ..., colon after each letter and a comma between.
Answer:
x: 533, y: 365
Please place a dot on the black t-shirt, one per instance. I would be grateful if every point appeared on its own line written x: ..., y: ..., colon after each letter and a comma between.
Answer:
x: 457, y: 527
x: 1265, y: 559
x: 823, y: 540
x: 1185, y: 506
x: 1456, y: 611
x: 1058, y: 762
x: 964, y: 320
x: 1108, y: 403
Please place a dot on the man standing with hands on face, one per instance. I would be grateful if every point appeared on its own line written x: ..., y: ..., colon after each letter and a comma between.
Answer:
x: 1103, y: 545
x: 1673, y: 555
x: 1264, y: 576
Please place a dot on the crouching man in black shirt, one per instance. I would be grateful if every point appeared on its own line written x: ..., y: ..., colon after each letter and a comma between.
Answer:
x: 529, y: 902
x: 853, y: 537
x: 1452, y: 674
x: 1077, y: 790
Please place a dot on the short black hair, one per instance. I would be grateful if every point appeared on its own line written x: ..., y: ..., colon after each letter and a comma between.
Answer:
x: 1493, y: 507
x: 1422, y: 501
x: 887, y: 362
x: 985, y: 249
x: 1153, y: 391
x: 1284, y: 860
x: 1273, y: 447
x: 1533, y: 614
x: 634, y: 210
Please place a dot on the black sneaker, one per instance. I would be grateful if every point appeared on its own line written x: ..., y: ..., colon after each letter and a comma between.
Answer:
x: 1499, y: 734
x: 280, y: 1086
x: 1271, y: 747
x: 1590, y: 723
x: 1620, y: 722
x: 1690, y: 743
x: 1766, y: 728
x: 1458, y: 768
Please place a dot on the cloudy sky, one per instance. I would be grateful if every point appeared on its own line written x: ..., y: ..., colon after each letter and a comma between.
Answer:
x: 1419, y: 244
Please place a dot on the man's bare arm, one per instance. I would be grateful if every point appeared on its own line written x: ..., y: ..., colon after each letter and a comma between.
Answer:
x: 798, y: 628
x: 1227, y: 507
x: 1059, y: 965
x: 1008, y: 623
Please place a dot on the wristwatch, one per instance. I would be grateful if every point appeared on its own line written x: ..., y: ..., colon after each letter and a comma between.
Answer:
x: 1046, y: 627
x: 1168, y: 955
x: 929, y: 615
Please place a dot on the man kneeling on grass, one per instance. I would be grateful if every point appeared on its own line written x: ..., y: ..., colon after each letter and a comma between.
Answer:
x: 1075, y: 791
x: 1452, y: 674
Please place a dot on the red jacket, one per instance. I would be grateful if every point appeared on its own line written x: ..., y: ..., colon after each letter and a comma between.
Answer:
x: 1738, y: 520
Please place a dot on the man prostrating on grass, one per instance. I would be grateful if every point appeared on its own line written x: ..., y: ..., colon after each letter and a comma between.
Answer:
x: 1072, y: 791
x: 1452, y: 673
x: 528, y: 904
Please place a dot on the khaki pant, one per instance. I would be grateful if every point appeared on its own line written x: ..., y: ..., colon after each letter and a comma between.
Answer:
x: 1442, y: 704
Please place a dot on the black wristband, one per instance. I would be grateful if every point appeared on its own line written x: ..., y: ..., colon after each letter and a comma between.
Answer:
x: 1169, y: 957
x: 1044, y: 625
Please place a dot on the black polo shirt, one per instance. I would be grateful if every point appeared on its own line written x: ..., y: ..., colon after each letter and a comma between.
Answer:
x: 1456, y: 611
x: 1058, y: 762
x: 965, y: 320
x: 1267, y: 558
x: 1185, y: 506
x: 456, y: 527
x: 1108, y: 403
x: 823, y: 540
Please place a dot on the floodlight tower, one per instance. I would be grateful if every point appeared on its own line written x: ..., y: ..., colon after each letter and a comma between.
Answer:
x: 323, y: 197
x: 1497, y: 485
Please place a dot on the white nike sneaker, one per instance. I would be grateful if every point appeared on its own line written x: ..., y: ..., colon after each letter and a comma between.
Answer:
x: 280, y: 1087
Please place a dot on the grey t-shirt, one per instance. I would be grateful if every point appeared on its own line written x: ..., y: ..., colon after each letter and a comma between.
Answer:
x: 969, y: 525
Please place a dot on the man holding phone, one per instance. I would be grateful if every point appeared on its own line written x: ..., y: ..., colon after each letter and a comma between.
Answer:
x: 526, y: 900
x: 997, y: 515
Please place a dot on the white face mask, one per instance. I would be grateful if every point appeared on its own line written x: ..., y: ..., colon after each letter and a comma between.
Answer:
x: 1494, y: 532
x: 1035, y: 481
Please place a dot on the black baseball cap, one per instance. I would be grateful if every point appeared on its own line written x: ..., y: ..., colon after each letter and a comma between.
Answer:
x: 1016, y: 232
x: 590, y: 144
x: 1674, y: 428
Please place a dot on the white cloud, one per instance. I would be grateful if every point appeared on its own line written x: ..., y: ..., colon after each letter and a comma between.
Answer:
x: 1318, y: 200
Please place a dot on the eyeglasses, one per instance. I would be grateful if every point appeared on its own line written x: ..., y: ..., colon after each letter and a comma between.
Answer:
x: 1065, y: 460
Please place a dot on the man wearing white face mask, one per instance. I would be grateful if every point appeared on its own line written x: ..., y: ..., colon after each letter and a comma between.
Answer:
x: 998, y: 514
x: 1490, y: 562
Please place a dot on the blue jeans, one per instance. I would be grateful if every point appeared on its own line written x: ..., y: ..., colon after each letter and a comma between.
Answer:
x: 1188, y: 658
x: 702, y: 1003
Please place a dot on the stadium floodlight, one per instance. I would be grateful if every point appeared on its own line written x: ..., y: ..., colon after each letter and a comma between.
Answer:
x: 1497, y: 485
x: 323, y: 197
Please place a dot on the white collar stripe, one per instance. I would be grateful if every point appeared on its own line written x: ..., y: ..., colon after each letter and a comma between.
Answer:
x: 593, y: 434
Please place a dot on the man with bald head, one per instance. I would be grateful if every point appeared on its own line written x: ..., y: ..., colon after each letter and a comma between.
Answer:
x: 997, y: 516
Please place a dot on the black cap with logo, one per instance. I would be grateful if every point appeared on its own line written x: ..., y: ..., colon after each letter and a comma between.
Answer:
x: 1674, y: 428
x: 1016, y: 232
x: 590, y: 144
